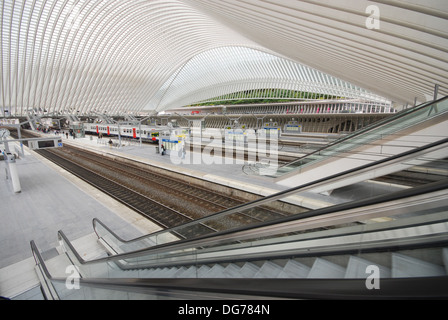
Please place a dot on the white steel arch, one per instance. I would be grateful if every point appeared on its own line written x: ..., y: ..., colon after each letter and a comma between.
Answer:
x: 395, y: 48
x: 97, y: 56
x: 221, y: 71
x: 121, y: 56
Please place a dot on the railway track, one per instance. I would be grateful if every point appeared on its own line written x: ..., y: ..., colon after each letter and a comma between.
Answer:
x: 204, y: 201
x: 157, y: 212
x: 166, y: 201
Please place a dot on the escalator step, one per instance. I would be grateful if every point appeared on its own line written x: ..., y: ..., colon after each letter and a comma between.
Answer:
x: 357, y: 267
x: 294, y: 269
x: 326, y: 269
x: 405, y: 266
x: 268, y: 270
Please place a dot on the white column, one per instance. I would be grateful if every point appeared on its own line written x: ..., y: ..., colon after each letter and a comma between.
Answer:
x: 12, y: 168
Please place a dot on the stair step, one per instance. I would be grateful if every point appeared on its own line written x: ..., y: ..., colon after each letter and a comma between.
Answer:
x: 215, y: 272
x: 232, y: 271
x: 294, y: 269
x: 268, y: 270
x: 190, y: 272
x: 248, y: 270
x: 153, y: 273
x: 178, y: 272
x: 166, y: 273
x: 357, y: 267
x: 326, y: 269
x: 202, y: 271
x: 405, y: 266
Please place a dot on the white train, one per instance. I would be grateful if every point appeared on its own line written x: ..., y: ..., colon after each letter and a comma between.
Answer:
x: 147, y: 133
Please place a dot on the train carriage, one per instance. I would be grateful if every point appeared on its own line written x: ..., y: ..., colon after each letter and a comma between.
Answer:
x: 148, y: 133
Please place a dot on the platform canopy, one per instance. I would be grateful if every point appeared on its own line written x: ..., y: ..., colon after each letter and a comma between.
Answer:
x: 136, y: 56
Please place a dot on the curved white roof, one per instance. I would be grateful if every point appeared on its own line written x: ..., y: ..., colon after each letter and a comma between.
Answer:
x: 225, y: 70
x: 140, y: 55
x: 395, y: 48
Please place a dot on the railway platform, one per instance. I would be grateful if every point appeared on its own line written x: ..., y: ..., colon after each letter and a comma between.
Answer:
x: 52, y: 199
x: 215, y: 169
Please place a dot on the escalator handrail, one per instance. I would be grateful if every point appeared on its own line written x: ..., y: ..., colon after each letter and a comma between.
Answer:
x: 40, y: 262
x: 335, y: 289
x: 281, y: 194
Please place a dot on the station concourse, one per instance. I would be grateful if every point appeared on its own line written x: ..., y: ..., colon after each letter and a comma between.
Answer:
x: 223, y: 149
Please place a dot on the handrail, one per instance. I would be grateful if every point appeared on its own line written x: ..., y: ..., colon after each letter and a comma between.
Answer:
x: 42, y: 266
x: 369, y: 128
x: 286, y: 193
x: 393, y: 288
x: 38, y: 259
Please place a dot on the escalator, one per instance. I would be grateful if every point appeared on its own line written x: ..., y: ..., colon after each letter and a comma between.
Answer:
x: 388, y: 246
x: 404, y: 131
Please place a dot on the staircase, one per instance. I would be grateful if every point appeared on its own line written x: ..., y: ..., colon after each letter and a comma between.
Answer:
x: 335, y: 267
x: 405, y: 264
